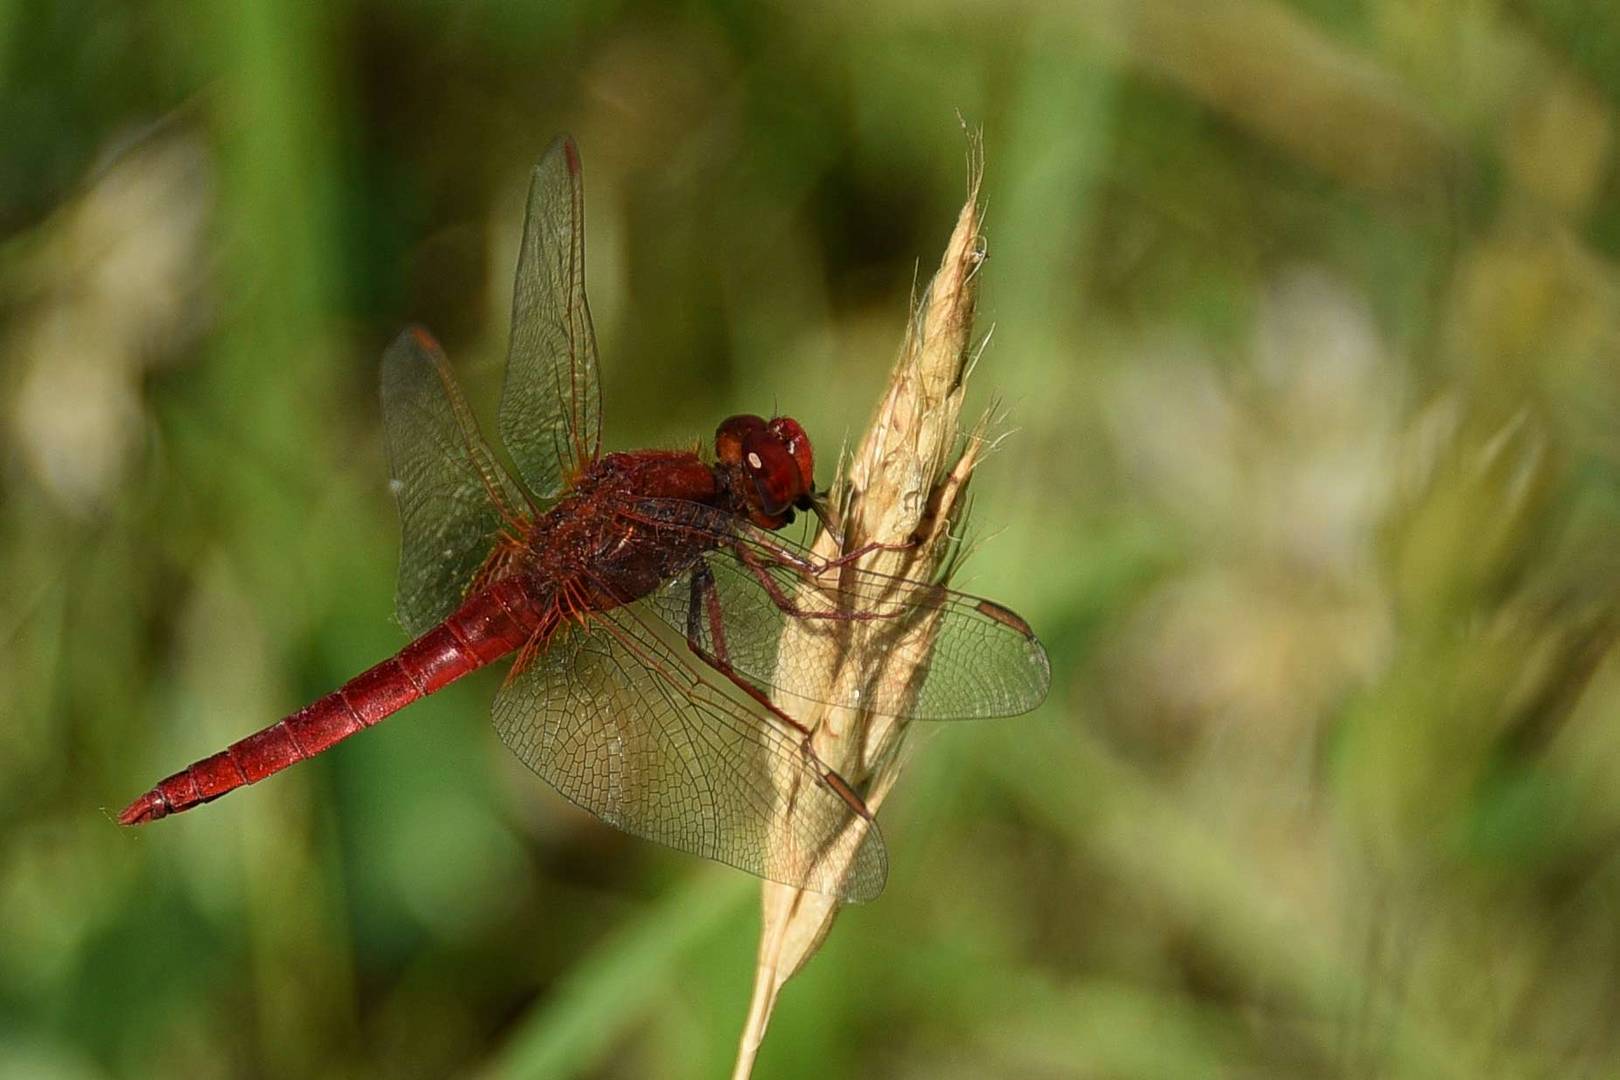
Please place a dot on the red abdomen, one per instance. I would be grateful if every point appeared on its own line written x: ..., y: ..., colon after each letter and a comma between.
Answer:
x: 485, y: 628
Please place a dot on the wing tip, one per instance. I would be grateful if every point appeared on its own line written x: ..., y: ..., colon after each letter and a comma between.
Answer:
x: 868, y: 873
x: 424, y: 339
x: 564, y: 147
x: 415, y: 336
x: 1006, y: 616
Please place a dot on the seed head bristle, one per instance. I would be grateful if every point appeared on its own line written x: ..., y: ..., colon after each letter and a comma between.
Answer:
x: 905, y: 480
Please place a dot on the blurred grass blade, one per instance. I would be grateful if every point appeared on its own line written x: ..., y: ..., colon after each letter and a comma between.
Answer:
x: 621, y: 981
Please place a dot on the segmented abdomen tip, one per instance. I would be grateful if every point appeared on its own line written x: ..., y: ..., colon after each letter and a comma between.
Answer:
x: 148, y: 807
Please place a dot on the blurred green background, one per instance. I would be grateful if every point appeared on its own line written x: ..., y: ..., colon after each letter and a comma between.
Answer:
x: 1307, y: 320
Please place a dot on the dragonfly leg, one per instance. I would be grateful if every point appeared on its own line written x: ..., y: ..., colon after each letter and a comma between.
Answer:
x: 814, y: 568
x: 788, y: 606
x: 704, y: 607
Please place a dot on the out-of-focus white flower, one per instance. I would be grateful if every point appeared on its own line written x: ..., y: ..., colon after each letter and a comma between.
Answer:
x: 1276, y: 469
x: 119, y: 287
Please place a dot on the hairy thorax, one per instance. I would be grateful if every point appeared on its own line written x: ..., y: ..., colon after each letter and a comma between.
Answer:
x: 599, y: 547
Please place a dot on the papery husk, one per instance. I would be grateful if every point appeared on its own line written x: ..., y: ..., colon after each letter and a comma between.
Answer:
x: 905, y: 481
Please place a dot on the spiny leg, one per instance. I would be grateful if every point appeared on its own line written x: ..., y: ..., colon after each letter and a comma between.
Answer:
x: 704, y: 606
x: 813, y: 568
x: 788, y: 606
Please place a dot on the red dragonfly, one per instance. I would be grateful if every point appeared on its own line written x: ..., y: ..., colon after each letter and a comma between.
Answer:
x: 645, y: 595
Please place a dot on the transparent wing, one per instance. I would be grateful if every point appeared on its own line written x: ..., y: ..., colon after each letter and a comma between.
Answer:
x: 551, y: 410
x: 451, y: 494
x: 620, y: 723
x: 928, y: 652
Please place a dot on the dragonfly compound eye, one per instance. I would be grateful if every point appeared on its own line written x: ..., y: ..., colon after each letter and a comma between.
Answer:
x: 797, y: 443
x: 774, y: 471
x: 729, y: 436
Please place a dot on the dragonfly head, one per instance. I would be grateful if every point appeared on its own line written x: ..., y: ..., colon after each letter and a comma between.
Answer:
x: 771, y: 466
